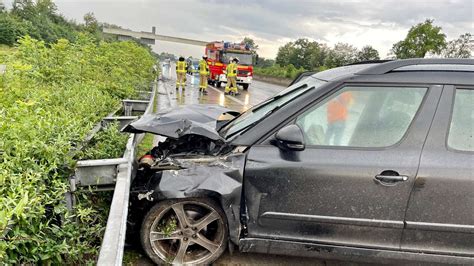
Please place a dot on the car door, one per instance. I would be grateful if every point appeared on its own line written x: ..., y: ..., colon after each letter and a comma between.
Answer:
x: 440, y: 214
x: 351, y: 184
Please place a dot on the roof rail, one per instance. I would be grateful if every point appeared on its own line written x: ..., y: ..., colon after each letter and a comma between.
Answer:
x: 370, y: 62
x: 392, y: 65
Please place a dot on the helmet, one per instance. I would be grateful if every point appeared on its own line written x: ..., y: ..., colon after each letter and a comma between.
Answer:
x: 181, y: 58
x: 235, y: 60
x: 204, y: 56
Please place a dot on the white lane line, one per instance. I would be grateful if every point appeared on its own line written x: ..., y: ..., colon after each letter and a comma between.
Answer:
x: 168, y: 93
x: 228, y: 96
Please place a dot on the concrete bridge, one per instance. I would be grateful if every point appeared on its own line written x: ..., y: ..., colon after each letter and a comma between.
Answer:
x: 150, y: 37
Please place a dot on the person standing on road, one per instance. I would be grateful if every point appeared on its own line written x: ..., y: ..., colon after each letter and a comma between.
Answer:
x: 203, y: 74
x: 231, y: 86
x: 181, y: 73
x: 337, y: 113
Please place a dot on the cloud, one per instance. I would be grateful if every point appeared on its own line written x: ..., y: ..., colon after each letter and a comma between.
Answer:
x: 272, y: 23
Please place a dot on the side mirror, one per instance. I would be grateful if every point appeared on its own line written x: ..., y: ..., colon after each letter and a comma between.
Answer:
x: 290, y: 138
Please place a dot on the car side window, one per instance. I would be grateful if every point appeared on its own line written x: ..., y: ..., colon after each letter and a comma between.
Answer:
x: 362, y: 116
x: 461, y: 130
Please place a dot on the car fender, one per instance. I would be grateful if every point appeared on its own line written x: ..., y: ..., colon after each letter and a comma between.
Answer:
x: 220, y: 178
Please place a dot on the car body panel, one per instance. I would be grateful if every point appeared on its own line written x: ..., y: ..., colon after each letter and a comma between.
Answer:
x: 219, y: 178
x: 191, y: 119
x: 440, y: 214
x: 329, y: 194
x: 352, y: 254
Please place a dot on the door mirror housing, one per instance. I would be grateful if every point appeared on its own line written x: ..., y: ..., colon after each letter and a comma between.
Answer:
x: 291, y: 138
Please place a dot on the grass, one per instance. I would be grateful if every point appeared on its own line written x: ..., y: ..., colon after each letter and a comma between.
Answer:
x: 5, y: 51
x: 133, y: 257
x: 147, y: 142
x: 146, y: 145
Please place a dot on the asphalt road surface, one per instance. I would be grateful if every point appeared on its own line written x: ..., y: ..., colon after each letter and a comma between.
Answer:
x: 258, y: 92
x: 169, y: 97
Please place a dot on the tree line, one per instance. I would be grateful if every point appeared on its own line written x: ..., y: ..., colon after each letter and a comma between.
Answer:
x: 422, y: 40
x: 41, y: 20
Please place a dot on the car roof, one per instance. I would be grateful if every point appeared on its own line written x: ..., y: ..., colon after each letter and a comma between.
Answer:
x: 452, y: 71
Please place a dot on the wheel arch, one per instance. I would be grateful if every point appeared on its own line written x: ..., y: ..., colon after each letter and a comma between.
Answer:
x: 226, y: 203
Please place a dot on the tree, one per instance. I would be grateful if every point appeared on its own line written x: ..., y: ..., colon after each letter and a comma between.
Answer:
x: 91, y: 24
x: 459, y: 48
x: 46, y: 7
x: 302, y: 53
x: 284, y: 54
x: 42, y: 20
x: 11, y: 29
x: 420, y: 40
x: 251, y: 43
x: 342, y: 54
x: 367, y: 53
x: 24, y: 8
x: 264, y: 62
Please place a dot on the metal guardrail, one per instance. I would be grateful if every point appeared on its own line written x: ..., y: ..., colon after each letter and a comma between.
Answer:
x: 113, y: 174
x: 112, y: 249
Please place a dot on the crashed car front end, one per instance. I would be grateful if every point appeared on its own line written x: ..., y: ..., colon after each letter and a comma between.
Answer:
x: 193, y: 161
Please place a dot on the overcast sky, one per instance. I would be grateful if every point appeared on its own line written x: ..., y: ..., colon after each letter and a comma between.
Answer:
x: 272, y: 23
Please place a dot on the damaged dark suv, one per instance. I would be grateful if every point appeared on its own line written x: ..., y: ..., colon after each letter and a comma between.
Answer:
x: 370, y: 162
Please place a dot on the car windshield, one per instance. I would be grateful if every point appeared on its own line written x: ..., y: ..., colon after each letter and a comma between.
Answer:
x: 254, y: 115
x: 244, y: 59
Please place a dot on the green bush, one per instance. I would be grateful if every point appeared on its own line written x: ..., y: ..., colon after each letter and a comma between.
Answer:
x: 289, y: 71
x: 107, y: 143
x: 10, y: 29
x: 50, y: 99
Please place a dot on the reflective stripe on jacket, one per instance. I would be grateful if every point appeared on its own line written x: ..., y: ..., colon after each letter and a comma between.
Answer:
x: 231, y: 70
x: 181, y: 67
x: 203, y: 67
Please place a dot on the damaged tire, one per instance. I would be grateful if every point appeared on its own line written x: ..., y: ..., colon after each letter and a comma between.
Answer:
x: 184, y: 231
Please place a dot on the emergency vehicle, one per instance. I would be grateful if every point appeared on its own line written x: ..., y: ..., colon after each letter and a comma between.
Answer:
x: 219, y: 55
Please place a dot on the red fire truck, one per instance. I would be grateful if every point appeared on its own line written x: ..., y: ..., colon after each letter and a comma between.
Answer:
x: 219, y: 55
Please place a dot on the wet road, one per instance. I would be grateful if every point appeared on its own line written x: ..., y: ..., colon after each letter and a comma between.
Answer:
x: 258, y: 92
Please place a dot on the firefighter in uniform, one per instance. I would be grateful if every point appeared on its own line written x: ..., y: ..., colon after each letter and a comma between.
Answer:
x: 203, y: 74
x: 181, y: 73
x: 231, y: 86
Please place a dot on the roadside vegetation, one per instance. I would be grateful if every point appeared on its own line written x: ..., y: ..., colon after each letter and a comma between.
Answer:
x: 59, y: 83
x: 423, y: 40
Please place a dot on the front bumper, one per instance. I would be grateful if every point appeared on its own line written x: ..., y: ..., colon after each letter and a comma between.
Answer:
x: 240, y: 80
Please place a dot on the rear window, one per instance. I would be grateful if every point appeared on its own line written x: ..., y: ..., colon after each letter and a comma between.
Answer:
x: 461, y: 130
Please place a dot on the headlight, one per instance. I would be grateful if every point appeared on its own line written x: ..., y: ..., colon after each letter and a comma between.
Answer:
x: 249, y: 74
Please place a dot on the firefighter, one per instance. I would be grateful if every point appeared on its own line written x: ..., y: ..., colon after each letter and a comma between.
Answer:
x: 203, y: 74
x: 337, y: 113
x: 231, y: 70
x: 181, y: 73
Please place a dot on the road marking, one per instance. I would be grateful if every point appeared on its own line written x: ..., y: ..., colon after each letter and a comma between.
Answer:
x: 217, y: 90
x: 228, y: 96
x: 168, y: 93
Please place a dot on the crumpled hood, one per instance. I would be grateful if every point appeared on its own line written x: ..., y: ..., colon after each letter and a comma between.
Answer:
x: 198, y: 119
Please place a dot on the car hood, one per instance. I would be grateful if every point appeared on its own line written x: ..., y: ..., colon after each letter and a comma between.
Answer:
x: 197, y: 119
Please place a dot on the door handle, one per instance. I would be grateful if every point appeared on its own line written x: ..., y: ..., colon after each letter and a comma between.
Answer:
x: 391, y: 178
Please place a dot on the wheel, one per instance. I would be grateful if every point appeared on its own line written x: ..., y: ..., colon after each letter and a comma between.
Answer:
x: 218, y: 84
x: 245, y: 86
x: 184, y: 231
